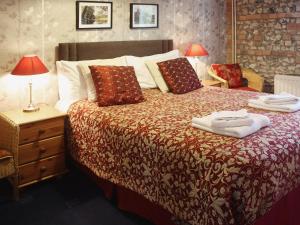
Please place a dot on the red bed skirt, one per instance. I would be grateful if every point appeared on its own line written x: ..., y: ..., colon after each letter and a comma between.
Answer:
x: 284, y: 212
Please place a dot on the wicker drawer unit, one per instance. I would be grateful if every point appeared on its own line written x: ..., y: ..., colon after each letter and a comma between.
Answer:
x: 40, y: 149
x: 42, y: 169
x: 39, y: 144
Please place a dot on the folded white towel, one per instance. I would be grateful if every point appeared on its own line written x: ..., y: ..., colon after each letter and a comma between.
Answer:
x: 230, y: 115
x: 288, y: 102
x: 221, y: 123
x: 256, y: 103
x: 204, y: 123
x: 282, y: 98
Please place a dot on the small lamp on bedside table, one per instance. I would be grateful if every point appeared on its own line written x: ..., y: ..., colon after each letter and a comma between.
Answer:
x: 27, y: 66
x: 197, y: 50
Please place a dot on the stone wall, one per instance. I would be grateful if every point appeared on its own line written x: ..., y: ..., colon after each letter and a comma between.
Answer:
x: 268, y: 37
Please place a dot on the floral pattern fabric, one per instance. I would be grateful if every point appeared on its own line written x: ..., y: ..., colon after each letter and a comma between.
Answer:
x: 116, y: 85
x: 200, y: 177
x: 179, y: 75
x: 229, y: 72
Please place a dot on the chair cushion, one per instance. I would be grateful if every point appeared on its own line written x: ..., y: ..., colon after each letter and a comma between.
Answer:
x: 179, y: 75
x: 244, y: 89
x: 4, y: 154
x: 229, y: 72
x: 116, y: 85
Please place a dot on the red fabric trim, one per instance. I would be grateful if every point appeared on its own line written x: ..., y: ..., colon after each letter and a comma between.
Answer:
x: 284, y: 212
x: 132, y: 202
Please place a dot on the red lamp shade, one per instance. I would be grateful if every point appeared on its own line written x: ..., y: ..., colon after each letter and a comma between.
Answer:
x: 29, y: 65
x: 196, y: 50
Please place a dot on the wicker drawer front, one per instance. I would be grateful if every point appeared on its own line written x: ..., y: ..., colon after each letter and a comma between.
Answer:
x: 41, y: 130
x: 41, y: 149
x: 41, y: 169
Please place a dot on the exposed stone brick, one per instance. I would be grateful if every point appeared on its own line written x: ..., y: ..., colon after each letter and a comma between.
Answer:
x: 268, y: 37
x: 293, y: 26
x: 286, y: 37
x: 284, y: 53
x: 266, y: 16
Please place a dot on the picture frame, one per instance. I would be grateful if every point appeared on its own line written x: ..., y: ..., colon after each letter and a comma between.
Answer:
x: 93, y: 15
x: 144, y: 16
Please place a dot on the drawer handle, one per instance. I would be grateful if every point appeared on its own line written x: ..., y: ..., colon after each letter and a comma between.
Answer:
x: 41, y: 132
x: 43, y: 150
x: 43, y: 169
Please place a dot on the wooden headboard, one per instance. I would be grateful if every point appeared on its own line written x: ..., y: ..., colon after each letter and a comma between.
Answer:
x: 105, y: 50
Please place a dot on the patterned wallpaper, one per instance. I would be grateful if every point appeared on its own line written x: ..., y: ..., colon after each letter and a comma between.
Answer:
x: 37, y: 26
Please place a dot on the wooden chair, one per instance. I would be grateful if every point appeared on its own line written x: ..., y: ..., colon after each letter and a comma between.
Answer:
x: 255, y: 81
x: 8, y: 152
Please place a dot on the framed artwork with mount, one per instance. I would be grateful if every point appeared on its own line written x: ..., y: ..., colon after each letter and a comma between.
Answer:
x: 93, y: 15
x: 144, y: 15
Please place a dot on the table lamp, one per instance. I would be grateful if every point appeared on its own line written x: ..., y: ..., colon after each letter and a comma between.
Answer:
x: 27, y: 66
x: 195, y: 51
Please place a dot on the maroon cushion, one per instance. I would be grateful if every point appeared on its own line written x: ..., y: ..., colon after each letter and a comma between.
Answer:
x: 244, y: 89
x: 179, y: 75
x: 116, y: 85
x: 229, y: 72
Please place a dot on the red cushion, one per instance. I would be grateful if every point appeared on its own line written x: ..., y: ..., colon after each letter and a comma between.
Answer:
x: 116, y: 85
x: 244, y: 89
x: 179, y: 75
x: 229, y: 72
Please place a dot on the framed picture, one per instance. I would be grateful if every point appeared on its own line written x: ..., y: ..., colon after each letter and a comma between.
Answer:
x: 93, y: 15
x: 143, y: 15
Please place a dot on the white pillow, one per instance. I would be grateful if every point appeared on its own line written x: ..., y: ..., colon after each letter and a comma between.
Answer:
x: 193, y: 61
x: 142, y: 73
x: 71, y: 85
x: 86, y: 73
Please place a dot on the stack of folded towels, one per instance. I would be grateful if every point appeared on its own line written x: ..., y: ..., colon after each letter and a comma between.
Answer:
x: 237, y: 124
x: 283, y: 102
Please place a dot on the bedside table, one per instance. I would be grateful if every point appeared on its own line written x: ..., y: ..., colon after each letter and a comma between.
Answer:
x: 38, y: 147
x: 214, y: 83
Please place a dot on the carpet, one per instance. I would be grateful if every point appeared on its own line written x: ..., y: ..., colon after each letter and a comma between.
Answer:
x: 72, y: 199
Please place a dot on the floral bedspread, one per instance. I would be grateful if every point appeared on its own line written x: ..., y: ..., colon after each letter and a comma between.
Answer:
x: 200, y: 177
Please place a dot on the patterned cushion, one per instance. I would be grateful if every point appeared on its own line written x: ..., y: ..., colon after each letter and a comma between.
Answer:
x: 179, y: 75
x: 4, y: 154
x: 116, y: 85
x: 230, y: 72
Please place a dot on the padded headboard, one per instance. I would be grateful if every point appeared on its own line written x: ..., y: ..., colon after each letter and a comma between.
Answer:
x: 105, y: 50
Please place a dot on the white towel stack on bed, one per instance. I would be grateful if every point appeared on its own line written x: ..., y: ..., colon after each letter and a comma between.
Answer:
x: 283, y: 102
x: 237, y: 124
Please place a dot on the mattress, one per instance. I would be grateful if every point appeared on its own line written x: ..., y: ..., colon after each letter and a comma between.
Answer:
x: 200, y: 177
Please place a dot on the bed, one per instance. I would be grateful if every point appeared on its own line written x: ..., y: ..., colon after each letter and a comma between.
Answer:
x: 157, y: 165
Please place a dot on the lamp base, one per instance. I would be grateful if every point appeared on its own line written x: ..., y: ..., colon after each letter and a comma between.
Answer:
x: 31, y: 108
